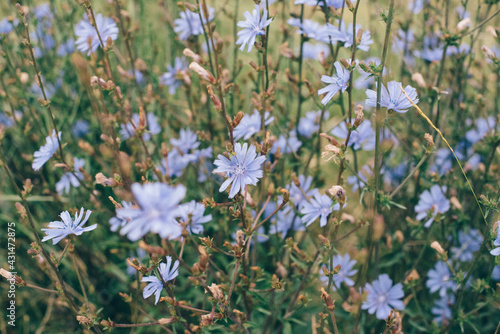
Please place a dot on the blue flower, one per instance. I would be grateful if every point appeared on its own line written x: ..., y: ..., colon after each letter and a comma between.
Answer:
x: 442, y: 308
x: 309, y: 124
x: 313, y: 51
x: 362, y: 137
x: 469, y: 244
x: 71, y: 178
x: 5, y: 121
x: 194, y: 213
x: 321, y: 206
x: 58, y: 230
x: 188, y: 140
x: 296, y: 195
x: 253, y: 26
x: 167, y: 272
x: 286, y: 220
x: 495, y: 274
x: 157, y: 211
x: 242, y: 169
x: 286, y: 145
x: 483, y: 127
x: 341, y: 34
x: 128, y: 130
x: 66, y: 48
x: 87, y: 39
x: 416, y: 6
x: 47, y: 151
x: 382, y: 296
x: 250, y: 125
x: 393, y: 98
x: 328, y: 3
x: 432, y: 49
x: 80, y: 128
x: 5, y: 26
x: 189, y: 23
x: 309, y: 28
x: 440, y: 279
x: 496, y: 251
x: 118, y: 222
x: 345, y: 273
x: 171, y: 78
x: 443, y: 161
x: 432, y: 202
x: 337, y: 82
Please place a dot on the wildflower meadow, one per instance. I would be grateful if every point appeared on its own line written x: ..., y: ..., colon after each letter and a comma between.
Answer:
x: 250, y: 166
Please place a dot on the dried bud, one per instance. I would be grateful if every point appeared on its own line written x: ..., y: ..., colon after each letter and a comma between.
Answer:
x: 462, y: 25
x: 359, y: 115
x: 324, y: 240
x: 399, y: 236
x: 490, y: 54
x: 337, y: 193
x: 216, y: 292
x: 105, y: 181
x: 330, y: 304
x: 189, y: 53
x: 237, y: 119
x: 203, y: 258
x: 240, y: 238
x: 438, y: 248
x: 378, y: 227
x: 419, y: 79
x: 203, y: 73
x: 215, y: 100
x: 412, y: 276
x: 168, y: 321
x: 83, y: 320
x: 430, y: 142
x: 331, y: 150
x: 332, y: 140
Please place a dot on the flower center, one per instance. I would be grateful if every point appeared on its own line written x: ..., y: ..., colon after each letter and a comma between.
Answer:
x: 381, y: 299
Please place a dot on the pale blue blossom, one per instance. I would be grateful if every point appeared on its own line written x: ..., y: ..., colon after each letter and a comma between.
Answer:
x: 416, y: 6
x: 118, y: 222
x: 313, y: 51
x: 87, y: 39
x: 188, y: 140
x: 58, y: 230
x: 309, y: 124
x: 243, y: 168
x: 483, y: 127
x: 345, y: 273
x: 171, y: 77
x: 431, y: 203
x: 440, y: 279
x: 320, y: 206
x: 166, y: 272
x: 253, y: 26
x: 442, y: 308
x: 469, y: 243
x: 383, y: 296
x: 286, y: 145
x: 309, y: 28
x: 329, y: 3
x: 66, y: 48
x: 189, y: 23
x: 286, y: 220
x: 71, y: 178
x: 337, y: 82
x: 193, y: 212
x: 341, y: 34
x: 296, y: 195
x: 157, y: 210
x: 128, y: 130
x: 80, y: 128
x: 362, y: 137
x: 496, y: 251
x: 393, y: 98
x: 47, y: 151
x: 5, y: 26
x: 251, y: 124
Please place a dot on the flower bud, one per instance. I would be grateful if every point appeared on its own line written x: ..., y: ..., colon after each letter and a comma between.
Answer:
x: 330, y: 304
x: 337, y: 193
x: 203, y: 73
x: 438, y: 248
x: 189, y: 53
x: 462, y: 25
x: 419, y: 79
x: 216, y: 292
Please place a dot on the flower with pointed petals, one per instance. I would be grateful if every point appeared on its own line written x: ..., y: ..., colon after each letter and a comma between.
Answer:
x: 296, y: 195
x: 382, y: 296
x: 286, y: 220
x: 251, y: 124
x: 71, y: 178
x: 87, y: 39
x: 318, y: 207
x: 286, y: 145
x: 170, y: 78
x: 189, y: 23
x: 188, y: 140
x: 337, y: 82
x: 167, y: 272
x: 470, y: 243
x: 432, y: 202
x: 345, y: 273
x: 442, y: 308
x: 440, y: 279
x: 118, y: 222
x: 128, y: 130
x: 393, y: 98
x: 243, y: 168
x: 193, y: 213
x: 5, y: 26
x: 157, y: 211
x: 46, y: 151
x: 362, y: 137
x: 496, y: 251
x: 253, y: 26
x: 58, y: 230
x: 309, y: 124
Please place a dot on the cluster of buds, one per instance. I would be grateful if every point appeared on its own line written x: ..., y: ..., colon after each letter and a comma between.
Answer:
x: 330, y: 304
x: 106, y: 85
x: 276, y: 284
x: 216, y: 292
x: 200, y: 267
